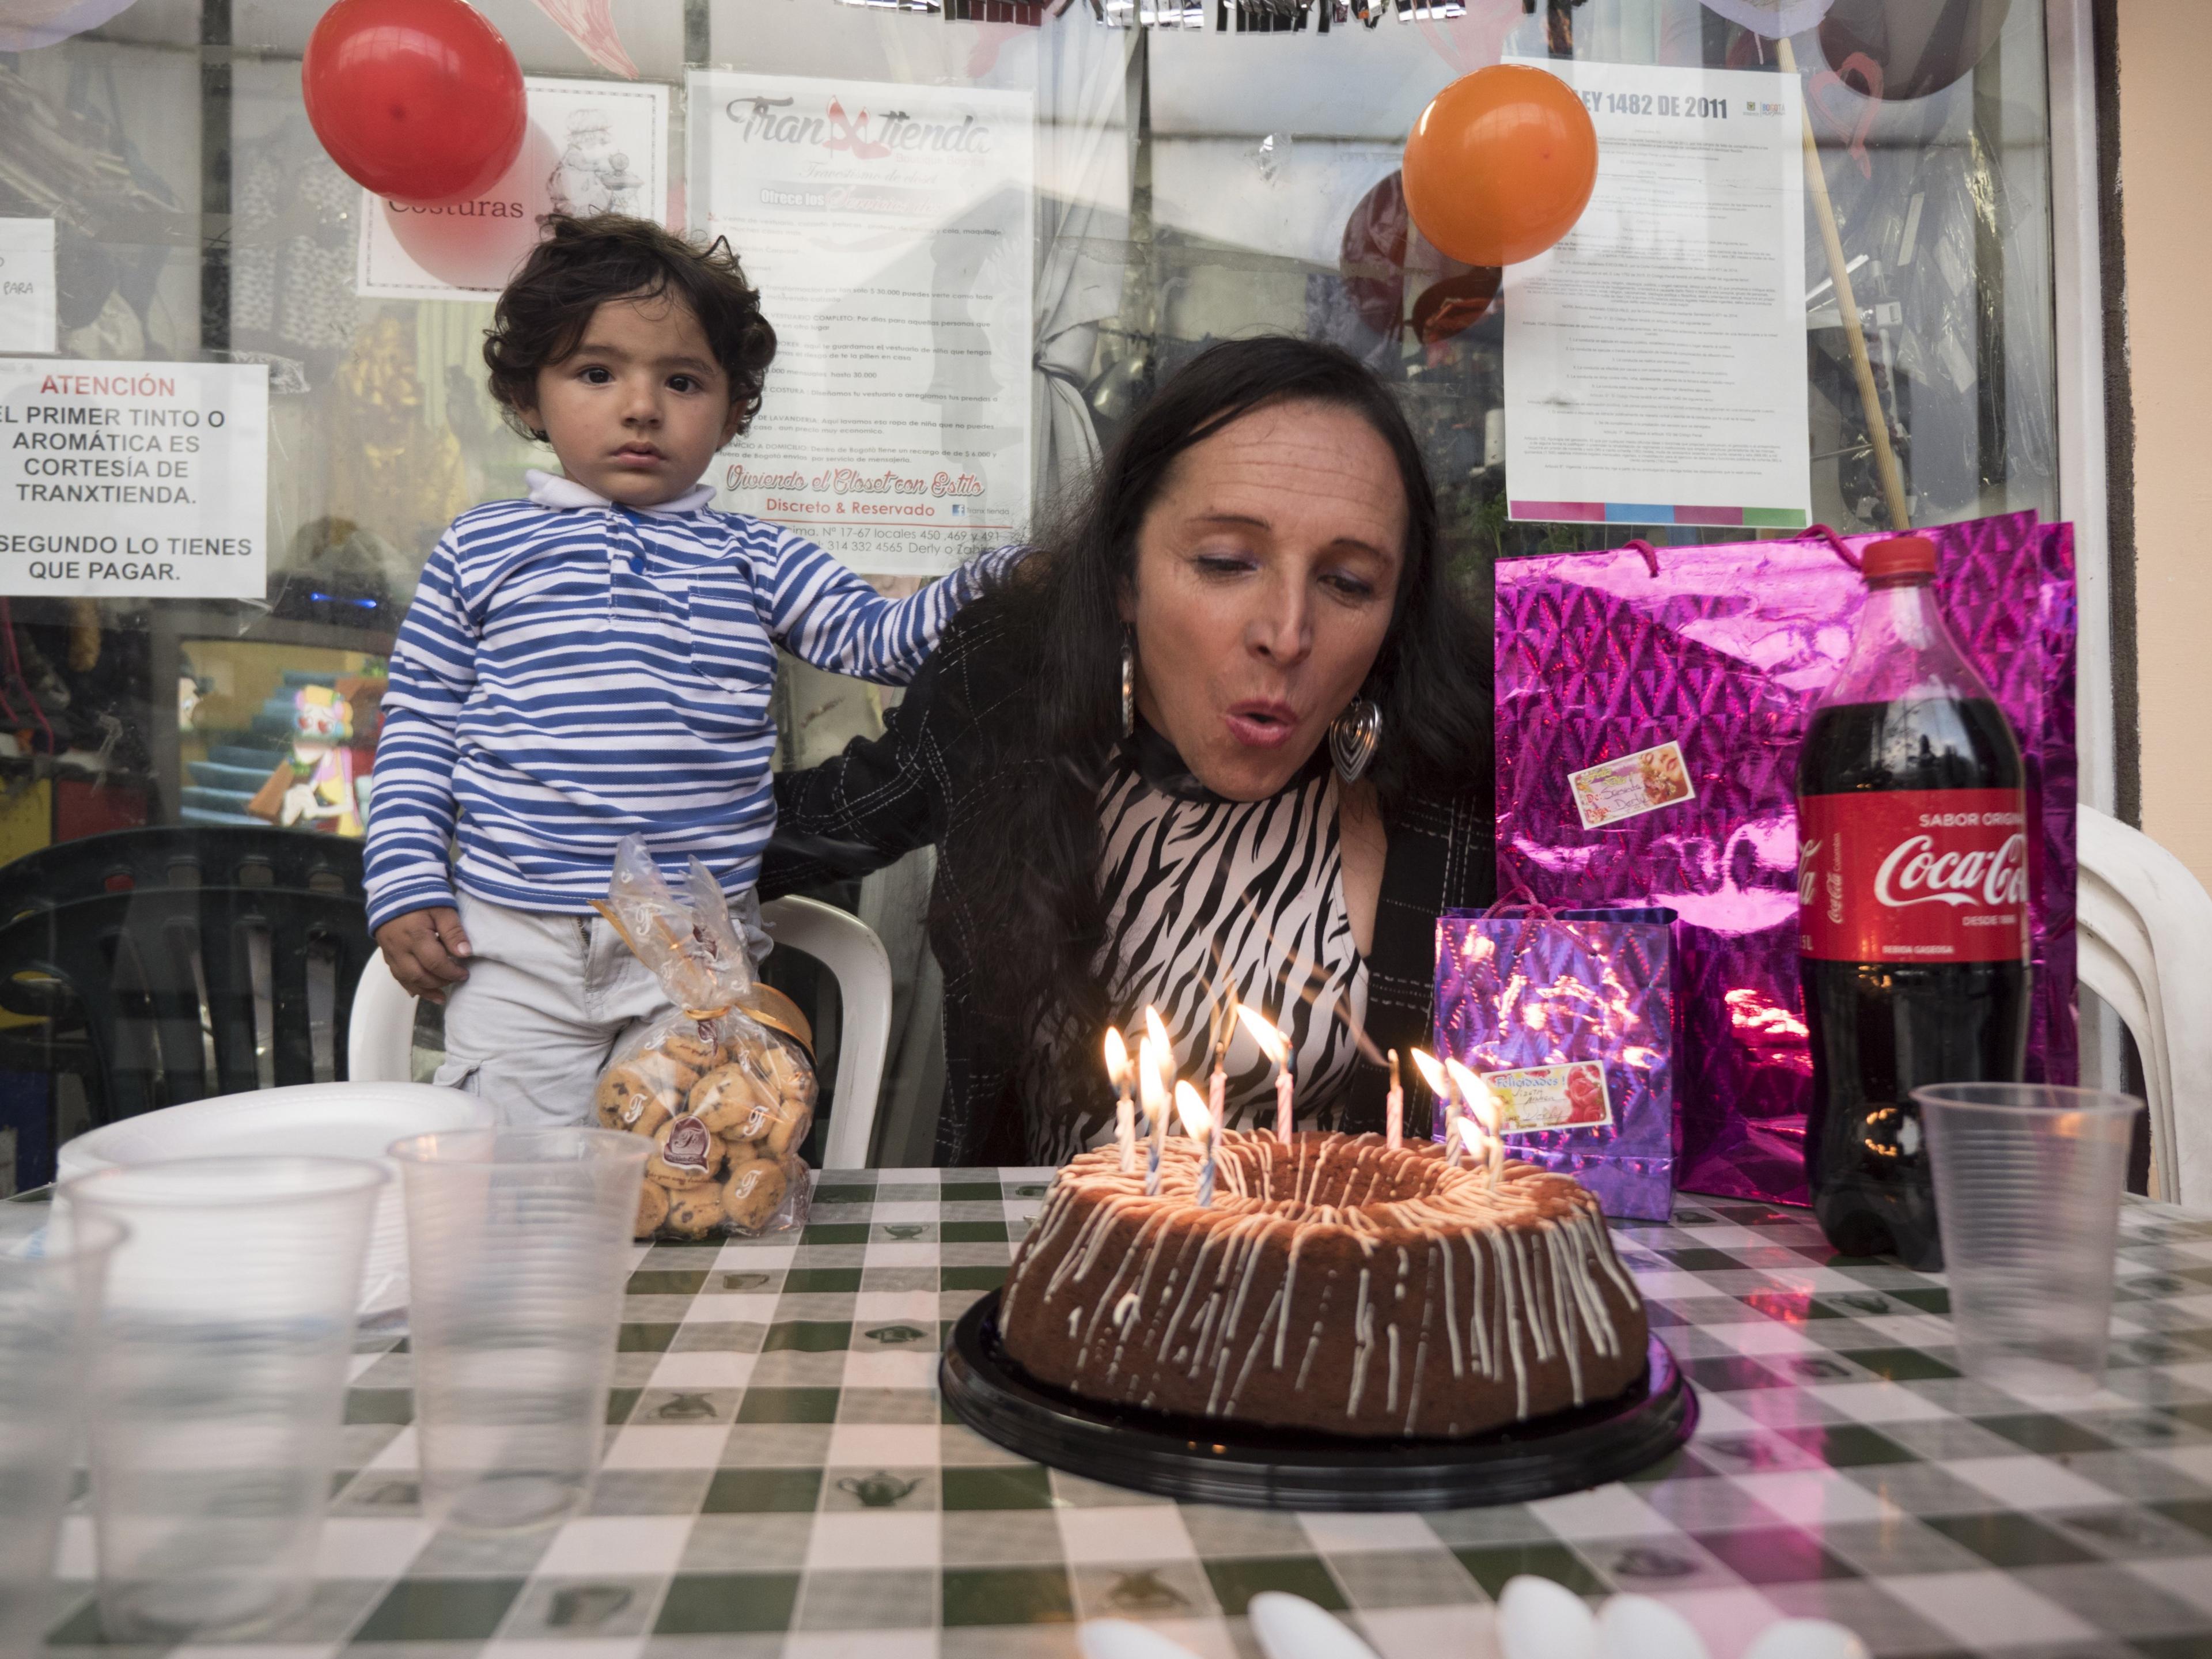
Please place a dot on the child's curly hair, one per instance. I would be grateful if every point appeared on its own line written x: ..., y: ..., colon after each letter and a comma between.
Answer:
x: 582, y: 264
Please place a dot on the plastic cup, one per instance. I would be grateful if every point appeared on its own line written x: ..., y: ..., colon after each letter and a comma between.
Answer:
x: 2028, y: 1178
x: 51, y: 1279
x: 518, y: 1243
x: 218, y: 1384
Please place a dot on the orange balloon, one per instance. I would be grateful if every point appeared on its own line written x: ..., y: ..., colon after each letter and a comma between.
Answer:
x: 1501, y: 164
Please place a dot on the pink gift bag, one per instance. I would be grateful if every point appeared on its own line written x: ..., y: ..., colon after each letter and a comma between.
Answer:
x: 1650, y: 704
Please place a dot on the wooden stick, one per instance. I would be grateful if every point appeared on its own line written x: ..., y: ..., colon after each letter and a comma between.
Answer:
x: 1816, y: 181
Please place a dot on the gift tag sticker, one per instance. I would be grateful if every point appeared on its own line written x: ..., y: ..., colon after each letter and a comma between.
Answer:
x: 1630, y: 784
x: 1569, y: 1096
x: 689, y: 1145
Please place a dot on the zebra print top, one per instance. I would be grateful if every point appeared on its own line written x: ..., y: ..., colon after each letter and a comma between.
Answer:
x: 1207, y: 894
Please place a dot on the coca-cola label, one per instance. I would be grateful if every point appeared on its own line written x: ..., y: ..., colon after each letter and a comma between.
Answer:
x: 1914, y: 875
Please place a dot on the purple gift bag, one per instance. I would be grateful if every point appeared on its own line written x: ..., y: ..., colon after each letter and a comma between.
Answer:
x: 1529, y: 997
x: 1651, y: 705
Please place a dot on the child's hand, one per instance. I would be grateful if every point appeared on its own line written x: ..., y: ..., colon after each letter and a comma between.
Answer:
x: 425, y: 951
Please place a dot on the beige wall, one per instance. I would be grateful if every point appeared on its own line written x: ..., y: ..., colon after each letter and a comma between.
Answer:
x: 2165, y: 185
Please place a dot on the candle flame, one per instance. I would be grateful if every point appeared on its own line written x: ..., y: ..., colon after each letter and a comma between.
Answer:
x: 1273, y: 1043
x: 1478, y: 1147
x: 1431, y: 1073
x: 1190, y: 1106
x: 1475, y: 1093
x: 1117, y: 1058
x: 1157, y: 1032
x: 1225, y: 1031
x: 1153, y: 1091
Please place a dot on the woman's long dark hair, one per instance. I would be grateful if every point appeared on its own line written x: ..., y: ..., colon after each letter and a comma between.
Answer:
x: 1029, y: 890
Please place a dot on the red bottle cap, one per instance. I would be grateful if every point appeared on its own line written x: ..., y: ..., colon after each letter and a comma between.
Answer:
x: 1900, y: 556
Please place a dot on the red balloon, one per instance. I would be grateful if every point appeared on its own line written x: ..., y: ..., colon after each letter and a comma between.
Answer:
x: 1373, y: 259
x: 421, y: 100
x: 1500, y: 165
x: 1377, y: 252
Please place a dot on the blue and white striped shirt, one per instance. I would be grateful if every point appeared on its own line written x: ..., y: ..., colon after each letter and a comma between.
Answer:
x: 572, y: 673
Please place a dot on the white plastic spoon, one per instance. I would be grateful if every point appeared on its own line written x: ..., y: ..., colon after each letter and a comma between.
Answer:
x: 1806, y: 1638
x: 1638, y: 1627
x: 1121, y: 1638
x: 1291, y: 1627
x: 1539, y: 1619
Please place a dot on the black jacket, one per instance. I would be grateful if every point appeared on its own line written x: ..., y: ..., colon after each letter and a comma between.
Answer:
x: 883, y: 798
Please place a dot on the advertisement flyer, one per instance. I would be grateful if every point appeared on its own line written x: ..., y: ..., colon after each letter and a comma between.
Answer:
x: 28, y: 295
x: 592, y: 146
x: 134, y: 480
x: 890, y: 231
x: 1654, y: 360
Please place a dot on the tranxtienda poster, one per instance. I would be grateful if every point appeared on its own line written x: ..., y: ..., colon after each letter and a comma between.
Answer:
x: 890, y: 231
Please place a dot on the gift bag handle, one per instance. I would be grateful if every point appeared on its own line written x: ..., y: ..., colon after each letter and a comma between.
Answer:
x: 1521, y: 894
x: 1534, y: 911
x: 1836, y: 543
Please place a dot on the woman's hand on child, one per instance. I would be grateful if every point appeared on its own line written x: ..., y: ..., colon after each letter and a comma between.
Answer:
x: 426, y: 950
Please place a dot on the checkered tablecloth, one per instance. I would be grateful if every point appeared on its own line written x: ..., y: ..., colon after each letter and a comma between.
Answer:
x: 780, y: 1478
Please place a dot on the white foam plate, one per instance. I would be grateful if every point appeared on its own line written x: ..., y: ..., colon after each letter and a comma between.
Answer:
x: 313, y: 1120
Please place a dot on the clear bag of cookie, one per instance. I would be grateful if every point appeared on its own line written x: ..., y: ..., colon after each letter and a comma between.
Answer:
x: 723, y: 1087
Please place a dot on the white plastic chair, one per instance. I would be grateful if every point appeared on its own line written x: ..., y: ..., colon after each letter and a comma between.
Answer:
x: 2143, y: 936
x: 380, y: 1038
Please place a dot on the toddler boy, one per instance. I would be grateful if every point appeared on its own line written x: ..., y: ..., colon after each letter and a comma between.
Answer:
x: 596, y: 661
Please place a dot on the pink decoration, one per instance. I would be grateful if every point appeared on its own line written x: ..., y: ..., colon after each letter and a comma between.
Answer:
x: 27, y: 25
x: 591, y: 25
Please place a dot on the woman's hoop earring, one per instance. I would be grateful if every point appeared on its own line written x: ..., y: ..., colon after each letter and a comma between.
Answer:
x: 1128, y: 684
x: 1353, y: 738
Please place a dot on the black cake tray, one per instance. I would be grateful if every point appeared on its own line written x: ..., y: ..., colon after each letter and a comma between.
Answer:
x: 1206, y: 1460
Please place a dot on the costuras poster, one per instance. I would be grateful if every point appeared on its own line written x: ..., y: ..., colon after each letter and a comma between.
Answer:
x: 591, y: 146
x: 890, y: 231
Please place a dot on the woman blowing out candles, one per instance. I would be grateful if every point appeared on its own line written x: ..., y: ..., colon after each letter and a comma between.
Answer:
x: 1225, y: 733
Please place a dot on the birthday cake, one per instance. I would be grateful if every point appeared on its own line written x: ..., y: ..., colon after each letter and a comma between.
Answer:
x: 1333, y: 1284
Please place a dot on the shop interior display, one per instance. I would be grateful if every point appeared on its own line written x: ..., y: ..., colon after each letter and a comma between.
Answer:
x: 1905, y: 49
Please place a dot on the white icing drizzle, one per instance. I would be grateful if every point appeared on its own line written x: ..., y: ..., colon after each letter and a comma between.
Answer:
x: 1362, y: 1345
x: 1507, y: 1313
x: 1516, y: 1243
x: 1442, y: 1252
x: 1478, y: 1327
x: 1252, y: 1352
x: 1564, y: 1312
x: 1420, y: 1362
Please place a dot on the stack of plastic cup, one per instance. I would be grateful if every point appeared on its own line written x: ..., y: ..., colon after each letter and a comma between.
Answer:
x: 51, y: 1281
x: 218, y: 1384
x: 519, y: 1246
x: 2029, y: 1179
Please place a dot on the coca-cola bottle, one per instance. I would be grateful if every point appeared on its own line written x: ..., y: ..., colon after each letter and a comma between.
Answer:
x: 1912, y: 884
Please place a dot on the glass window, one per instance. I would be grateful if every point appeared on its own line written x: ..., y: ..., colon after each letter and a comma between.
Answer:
x: 1190, y: 184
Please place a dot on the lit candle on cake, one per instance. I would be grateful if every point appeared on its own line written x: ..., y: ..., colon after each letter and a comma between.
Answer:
x: 1393, y: 1124
x: 1152, y: 1082
x: 1125, y: 1105
x: 1440, y: 1086
x: 1468, y: 1132
x: 1204, y: 1127
x: 1484, y: 1105
x: 1217, y: 1083
x: 1274, y: 1045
